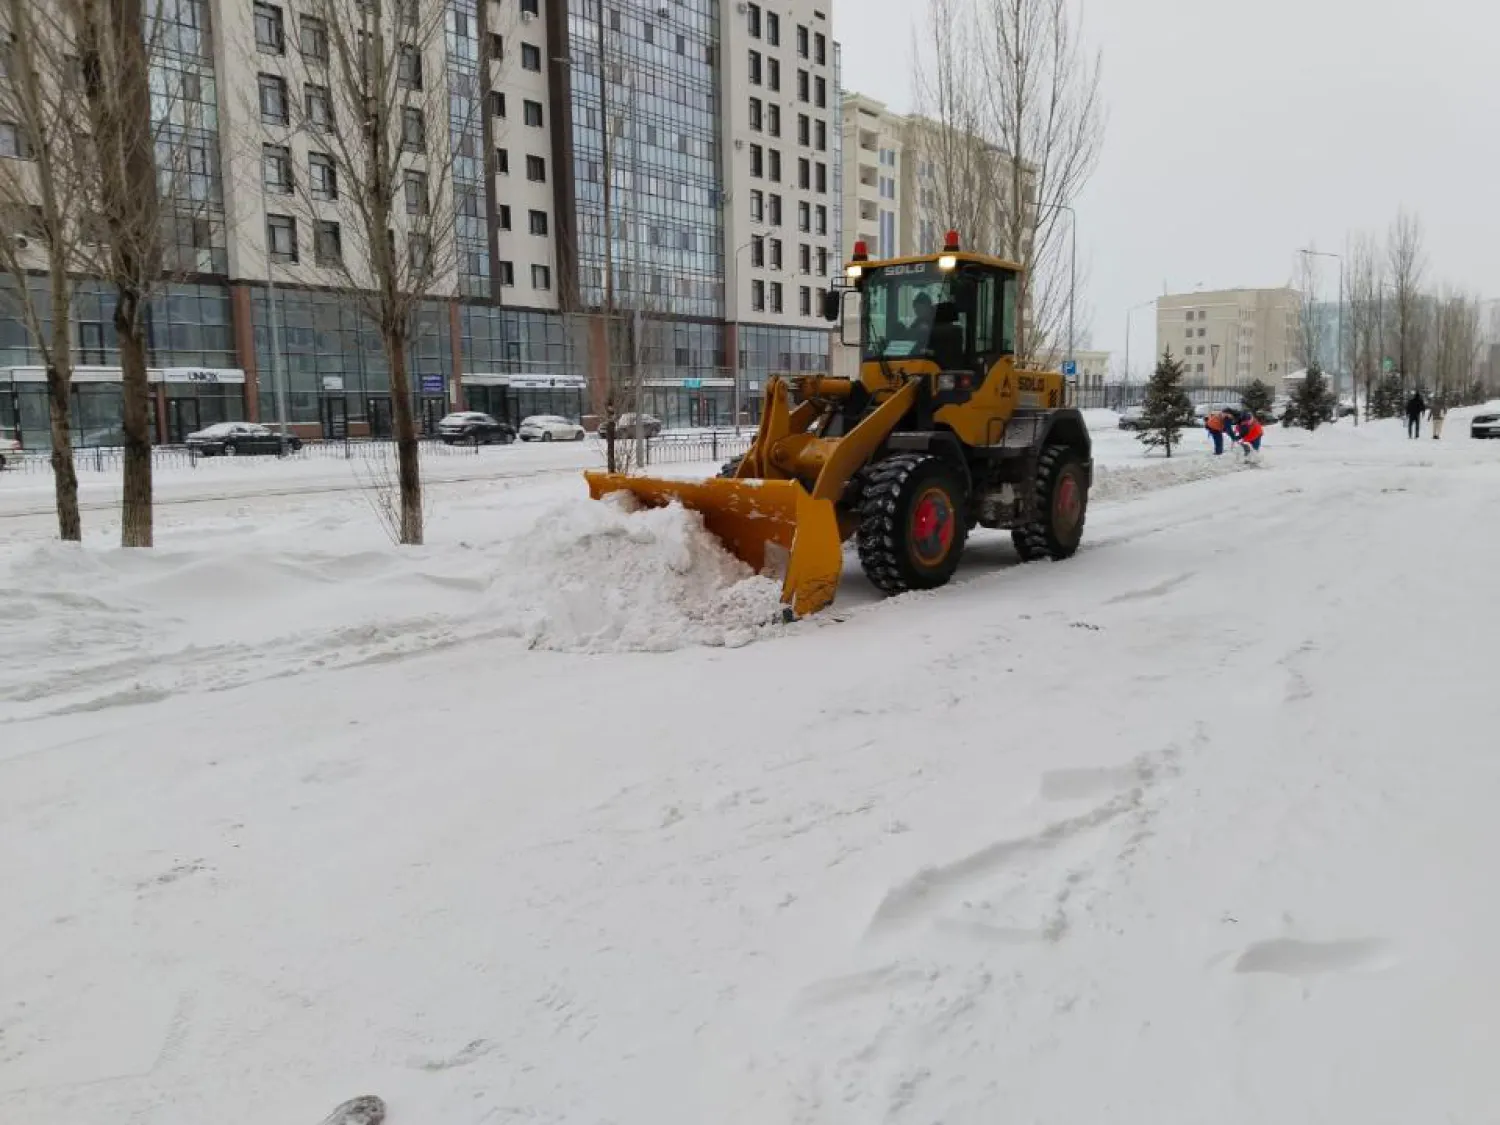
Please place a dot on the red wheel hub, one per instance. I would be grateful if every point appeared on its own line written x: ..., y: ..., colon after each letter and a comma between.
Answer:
x: 932, y: 527
x: 1068, y: 502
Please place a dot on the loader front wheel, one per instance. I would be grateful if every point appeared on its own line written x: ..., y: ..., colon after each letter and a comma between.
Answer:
x: 1059, y: 508
x: 912, y: 523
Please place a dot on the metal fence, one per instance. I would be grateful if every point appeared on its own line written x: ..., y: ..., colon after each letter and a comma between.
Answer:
x: 665, y: 449
x: 1120, y: 396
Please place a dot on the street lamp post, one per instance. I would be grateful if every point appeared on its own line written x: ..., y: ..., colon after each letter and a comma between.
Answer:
x: 739, y: 344
x: 1128, y: 313
x: 1072, y: 267
x: 1339, y: 361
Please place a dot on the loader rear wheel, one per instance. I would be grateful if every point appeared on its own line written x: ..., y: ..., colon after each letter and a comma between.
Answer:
x: 912, y: 523
x: 1059, y: 509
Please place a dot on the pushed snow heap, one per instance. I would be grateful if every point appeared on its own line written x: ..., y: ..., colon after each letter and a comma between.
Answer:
x: 615, y: 577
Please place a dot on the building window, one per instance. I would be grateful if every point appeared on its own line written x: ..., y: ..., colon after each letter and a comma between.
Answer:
x: 753, y: 18
x: 538, y: 221
x: 803, y: 80
x: 507, y: 273
x: 273, y: 107
x: 409, y: 67
x: 541, y: 277
x: 822, y: 261
x: 536, y: 169
x: 773, y: 119
x: 804, y: 258
x: 281, y: 238
x: 13, y: 142
x: 822, y: 135
x: 270, y: 32
x: 497, y: 47
x: 534, y: 114
x: 329, y: 247
x: 820, y: 93
x: 775, y: 202
x: 774, y: 165
x: 804, y: 214
x: 529, y: 7
x: 773, y: 74
x: 318, y: 106
x: 820, y: 49
x: 821, y: 226
x: 758, y: 296
x: 91, y: 342
x: 497, y: 103
x: 531, y: 57
x: 419, y: 252
x: 804, y: 129
x: 323, y: 176
x: 804, y: 301
x: 413, y: 129
x: 505, y: 216
x: 755, y: 115
x: 276, y: 168
x: 776, y: 296
x: 820, y: 181
x: 757, y: 161
x: 801, y: 41
x: 758, y: 252
x: 804, y: 174
x: 502, y: 161
x: 314, y: 34
x: 417, y: 202
x: 755, y: 73
x: 775, y: 253
x: 757, y: 205
x: 773, y: 29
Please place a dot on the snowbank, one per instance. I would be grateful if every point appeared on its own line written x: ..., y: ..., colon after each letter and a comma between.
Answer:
x: 85, y: 629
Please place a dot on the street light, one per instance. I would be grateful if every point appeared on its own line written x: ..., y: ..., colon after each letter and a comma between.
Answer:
x: 739, y: 344
x: 1128, y: 313
x: 1072, y: 266
x: 1339, y: 361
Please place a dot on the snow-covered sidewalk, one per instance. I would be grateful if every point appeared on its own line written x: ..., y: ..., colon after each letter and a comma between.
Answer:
x: 1194, y: 827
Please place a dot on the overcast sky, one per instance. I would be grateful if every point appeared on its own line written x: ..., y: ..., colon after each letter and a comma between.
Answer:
x: 1239, y: 130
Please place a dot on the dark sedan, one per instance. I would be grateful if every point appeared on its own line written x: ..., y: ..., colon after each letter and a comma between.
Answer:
x: 470, y: 427
x: 233, y: 439
x: 1485, y: 424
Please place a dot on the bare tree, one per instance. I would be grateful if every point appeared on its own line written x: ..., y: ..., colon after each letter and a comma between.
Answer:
x: 376, y: 201
x: 1363, y: 332
x: 946, y: 136
x: 1455, y: 345
x: 42, y: 200
x: 1048, y: 117
x: 1309, y: 312
x: 1407, y: 262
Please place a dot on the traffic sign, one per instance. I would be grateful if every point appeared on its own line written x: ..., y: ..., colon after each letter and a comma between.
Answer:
x: 1070, y: 368
x: 692, y: 384
x: 432, y: 384
x: 1387, y: 364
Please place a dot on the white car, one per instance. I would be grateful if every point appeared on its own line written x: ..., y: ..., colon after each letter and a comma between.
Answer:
x: 549, y: 427
x: 10, y: 451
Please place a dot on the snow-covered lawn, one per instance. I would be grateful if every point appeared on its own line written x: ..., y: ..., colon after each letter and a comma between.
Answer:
x: 538, y: 824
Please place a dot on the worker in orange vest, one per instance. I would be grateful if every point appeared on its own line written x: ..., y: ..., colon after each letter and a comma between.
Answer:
x: 1217, y: 424
x: 1248, y: 431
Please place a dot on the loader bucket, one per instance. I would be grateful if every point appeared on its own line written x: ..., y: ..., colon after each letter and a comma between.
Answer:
x: 748, y: 517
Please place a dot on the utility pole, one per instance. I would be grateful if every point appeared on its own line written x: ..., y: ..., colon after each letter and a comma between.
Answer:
x: 1339, y: 362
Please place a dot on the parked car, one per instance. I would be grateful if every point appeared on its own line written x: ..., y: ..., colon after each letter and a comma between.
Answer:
x: 1133, y: 418
x: 472, y: 427
x: 1485, y: 424
x: 550, y: 427
x: 10, y: 451
x: 231, y: 439
x: 626, y: 426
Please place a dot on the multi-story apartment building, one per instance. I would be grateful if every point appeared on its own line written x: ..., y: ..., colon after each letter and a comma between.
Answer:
x: 715, y: 123
x: 874, y: 150
x: 1228, y: 337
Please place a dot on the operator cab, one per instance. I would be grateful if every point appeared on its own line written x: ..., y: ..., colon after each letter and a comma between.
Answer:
x: 955, y: 309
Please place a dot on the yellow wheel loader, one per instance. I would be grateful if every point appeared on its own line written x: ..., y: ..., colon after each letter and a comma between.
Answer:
x: 942, y: 431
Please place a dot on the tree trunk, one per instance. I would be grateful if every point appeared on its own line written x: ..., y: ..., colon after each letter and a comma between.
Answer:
x: 64, y: 473
x: 135, y: 513
x: 408, y: 468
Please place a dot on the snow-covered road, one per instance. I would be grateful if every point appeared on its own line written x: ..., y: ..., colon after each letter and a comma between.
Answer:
x: 1198, y: 826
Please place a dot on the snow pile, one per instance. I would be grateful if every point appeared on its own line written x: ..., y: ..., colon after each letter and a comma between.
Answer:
x: 607, y: 578
x: 1122, y: 482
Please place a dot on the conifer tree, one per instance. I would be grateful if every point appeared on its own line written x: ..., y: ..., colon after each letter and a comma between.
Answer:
x: 1167, y: 410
